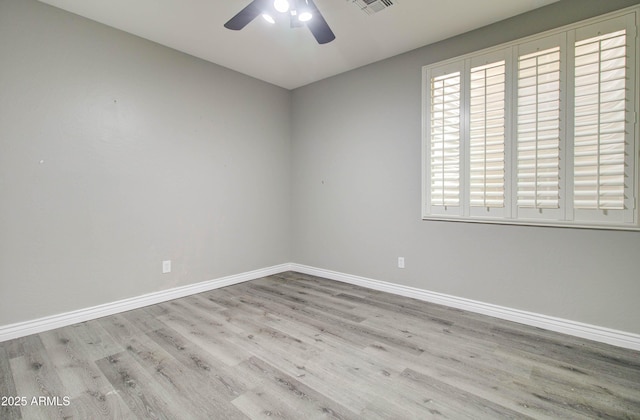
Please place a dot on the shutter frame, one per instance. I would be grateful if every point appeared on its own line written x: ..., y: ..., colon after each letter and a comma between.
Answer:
x: 435, y: 197
x: 539, y: 135
x: 627, y: 132
x: 477, y: 139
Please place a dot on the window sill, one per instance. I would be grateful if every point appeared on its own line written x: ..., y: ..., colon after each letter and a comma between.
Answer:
x: 528, y: 222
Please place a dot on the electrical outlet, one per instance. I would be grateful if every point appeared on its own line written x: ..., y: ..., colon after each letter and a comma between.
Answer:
x: 166, y: 266
x: 400, y: 262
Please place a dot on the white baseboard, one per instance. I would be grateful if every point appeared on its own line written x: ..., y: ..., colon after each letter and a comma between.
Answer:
x: 578, y: 329
x: 21, y: 329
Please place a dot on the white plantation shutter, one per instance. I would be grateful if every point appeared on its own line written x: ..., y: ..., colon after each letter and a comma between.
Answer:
x: 538, y: 130
x: 445, y: 140
x: 487, y: 135
x: 599, y: 128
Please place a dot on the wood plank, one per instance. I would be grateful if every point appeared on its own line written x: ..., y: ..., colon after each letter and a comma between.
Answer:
x: 89, y: 390
x: 215, y: 375
x: 208, y: 334
x: 299, y: 293
x: 208, y: 395
x: 8, y: 410
x: 13, y: 348
x: 308, y: 402
x: 204, y: 304
x: 329, y: 321
x: 144, y: 397
x: 35, y: 376
x: 447, y: 399
x: 143, y: 320
x: 328, y: 297
x: 169, y: 373
x: 262, y: 403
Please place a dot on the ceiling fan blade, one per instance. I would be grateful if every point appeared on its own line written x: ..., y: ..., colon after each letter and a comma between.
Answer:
x: 245, y: 16
x: 319, y: 27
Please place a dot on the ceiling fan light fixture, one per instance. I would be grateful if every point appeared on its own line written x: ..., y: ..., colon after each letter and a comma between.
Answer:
x: 268, y: 18
x: 281, y: 6
x: 302, y: 13
x: 305, y: 16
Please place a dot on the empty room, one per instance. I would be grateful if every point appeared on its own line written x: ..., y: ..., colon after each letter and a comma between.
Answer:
x: 297, y: 209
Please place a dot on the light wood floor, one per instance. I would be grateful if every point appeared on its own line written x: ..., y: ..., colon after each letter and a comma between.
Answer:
x: 299, y: 347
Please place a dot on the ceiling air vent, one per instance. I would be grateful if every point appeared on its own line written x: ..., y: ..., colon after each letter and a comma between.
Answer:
x: 373, y: 6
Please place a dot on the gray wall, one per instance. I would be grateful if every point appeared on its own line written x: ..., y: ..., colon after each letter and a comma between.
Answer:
x: 356, y: 197
x: 148, y: 154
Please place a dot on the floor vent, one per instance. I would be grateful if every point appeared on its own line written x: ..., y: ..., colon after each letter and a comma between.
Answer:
x: 371, y: 7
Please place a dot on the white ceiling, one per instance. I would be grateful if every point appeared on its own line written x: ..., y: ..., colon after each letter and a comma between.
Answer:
x: 291, y: 57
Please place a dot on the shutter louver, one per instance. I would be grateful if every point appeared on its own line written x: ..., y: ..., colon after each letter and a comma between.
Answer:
x: 538, y: 130
x: 445, y: 140
x: 487, y: 135
x: 599, y: 133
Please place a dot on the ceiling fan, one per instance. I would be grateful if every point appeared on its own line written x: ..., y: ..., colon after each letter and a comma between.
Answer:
x: 301, y: 13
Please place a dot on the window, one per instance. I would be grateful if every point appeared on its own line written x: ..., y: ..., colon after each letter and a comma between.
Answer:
x: 539, y: 131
